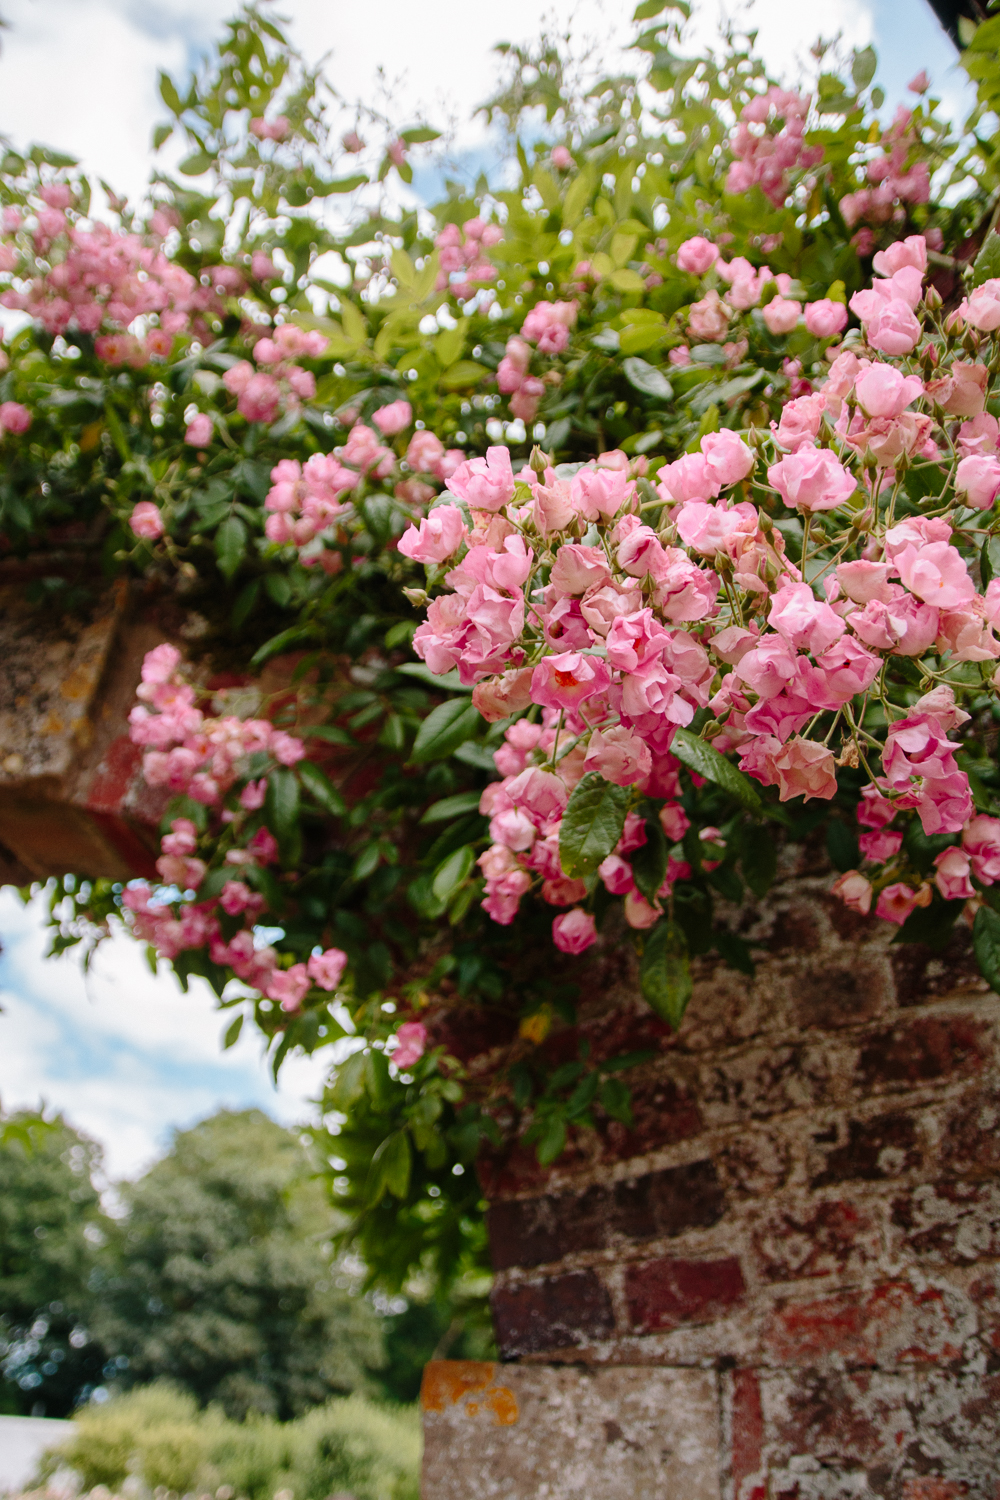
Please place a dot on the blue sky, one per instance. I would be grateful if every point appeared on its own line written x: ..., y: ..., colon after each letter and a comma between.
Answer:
x: 127, y: 1056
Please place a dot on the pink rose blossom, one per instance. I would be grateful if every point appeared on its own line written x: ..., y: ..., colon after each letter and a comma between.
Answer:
x: 616, y: 873
x: 896, y: 902
x: 981, y: 841
x: 574, y: 931
x: 883, y: 392
x: 14, y: 418
x: 569, y: 679
x: 781, y: 315
x: 881, y: 845
x: 978, y: 479
x: 619, y: 755
x: 438, y: 536
x: 812, y: 479
x: 674, y: 821
x: 199, y: 431
x: 952, y: 878
x: 289, y: 986
x: 708, y: 320
x: 981, y: 308
x: 411, y: 1044
x: 325, y: 969
x: 825, y: 319
x: 146, y: 520
x: 639, y: 913
x: 697, y: 255
x: 728, y: 458
x: 485, y: 483
x: 395, y: 417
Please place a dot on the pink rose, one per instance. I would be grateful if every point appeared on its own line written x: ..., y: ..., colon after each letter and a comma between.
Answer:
x: 674, y: 821
x: 825, y: 319
x: 881, y: 845
x: 14, y: 417
x: 567, y: 680
x: 697, y: 255
x: 616, y: 873
x: 325, y: 969
x: 485, y: 483
x: 781, y: 315
x: 803, y: 768
x: 562, y: 158
x: 708, y: 320
x: 896, y: 902
x: 689, y: 478
x: 619, y: 755
x: 498, y: 697
x: 952, y: 878
x: 801, y: 420
x: 962, y: 392
x: 981, y: 841
x: 395, y: 417
x: 812, y: 479
x: 639, y: 913
x: 578, y: 569
x: 411, y: 1044
x: 883, y: 392
x: 728, y: 458
x: 574, y: 931
x: 146, y: 520
x: 855, y: 892
x: 289, y: 986
x: 978, y: 479
x: 199, y: 431
x: 982, y: 307
x: 438, y: 536
x: 893, y: 329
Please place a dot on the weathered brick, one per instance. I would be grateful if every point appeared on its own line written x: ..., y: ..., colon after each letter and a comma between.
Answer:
x: 815, y: 1239
x: 924, y: 1051
x: 893, y: 1322
x: 532, y: 1231
x: 664, y: 1293
x: 558, y: 1313
x: 844, y: 994
x: 923, y: 974
x: 970, y: 1143
x: 954, y: 1220
x: 878, y: 1148
x: 746, y: 1432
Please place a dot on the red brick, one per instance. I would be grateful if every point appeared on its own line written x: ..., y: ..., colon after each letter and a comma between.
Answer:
x: 558, y: 1313
x: 922, y: 974
x: 837, y: 995
x: 953, y: 1220
x: 971, y: 1137
x: 892, y: 1323
x: 531, y: 1231
x: 664, y: 1293
x: 747, y: 1427
x: 924, y: 1051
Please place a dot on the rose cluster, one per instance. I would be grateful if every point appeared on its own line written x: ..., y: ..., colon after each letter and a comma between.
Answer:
x: 206, y: 758
x: 611, y: 632
x: 461, y: 255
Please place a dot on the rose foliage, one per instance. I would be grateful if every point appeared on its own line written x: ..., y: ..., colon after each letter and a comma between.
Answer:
x: 542, y: 558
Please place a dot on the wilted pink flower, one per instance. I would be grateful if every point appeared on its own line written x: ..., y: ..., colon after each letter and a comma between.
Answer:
x: 803, y: 768
x: 896, y: 902
x: 574, y: 931
x: 855, y: 891
x: 619, y: 755
x: 146, y: 520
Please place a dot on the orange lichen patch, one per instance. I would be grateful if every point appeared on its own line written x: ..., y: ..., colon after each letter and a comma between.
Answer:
x: 448, y: 1381
x: 80, y: 683
x: 502, y: 1402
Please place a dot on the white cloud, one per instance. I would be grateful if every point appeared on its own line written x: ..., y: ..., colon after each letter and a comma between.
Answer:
x: 124, y: 1054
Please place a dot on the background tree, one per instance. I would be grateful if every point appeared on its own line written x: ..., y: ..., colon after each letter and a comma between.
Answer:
x: 52, y: 1228
x: 224, y: 1279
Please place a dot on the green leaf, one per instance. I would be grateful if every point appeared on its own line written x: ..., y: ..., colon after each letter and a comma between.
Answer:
x: 552, y: 1141
x: 246, y: 599
x: 453, y: 872
x: 986, y: 942
x: 230, y: 545
x: 451, y: 807
x: 169, y: 95
x: 232, y: 1033
x: 377, y: 1081
x: 699, y: 756
x: 649, y: 862
x: 296, y: 635
x: 444, y: 729
x: 418, y: 135
x: 987, y: 263
x: 576, y: 200
x: 647, y: 378
x: 328, y: 732
x: 665, y: 973
x: 615, y: 1098
x: 592, y: 824
x: 624, y: 280
x: 348, y: 1082
x: 842, y: 846
x: 462, y: 375
x: 735, y: 952
x: 339, y: 185
x: 448, y: 682
x: 321, y: 788
x: 863, y: 67
x: 196, y: 163
x: 759, y: 861
x: 390, y: 1168
x: 989, y: 559
x: 931, y: 925
x: 281, y: 809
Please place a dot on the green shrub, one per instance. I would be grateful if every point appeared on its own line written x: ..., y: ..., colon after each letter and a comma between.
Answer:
x: 159, y: 1436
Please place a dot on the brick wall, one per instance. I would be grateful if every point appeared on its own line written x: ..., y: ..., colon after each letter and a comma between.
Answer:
x: 808, y: 1206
